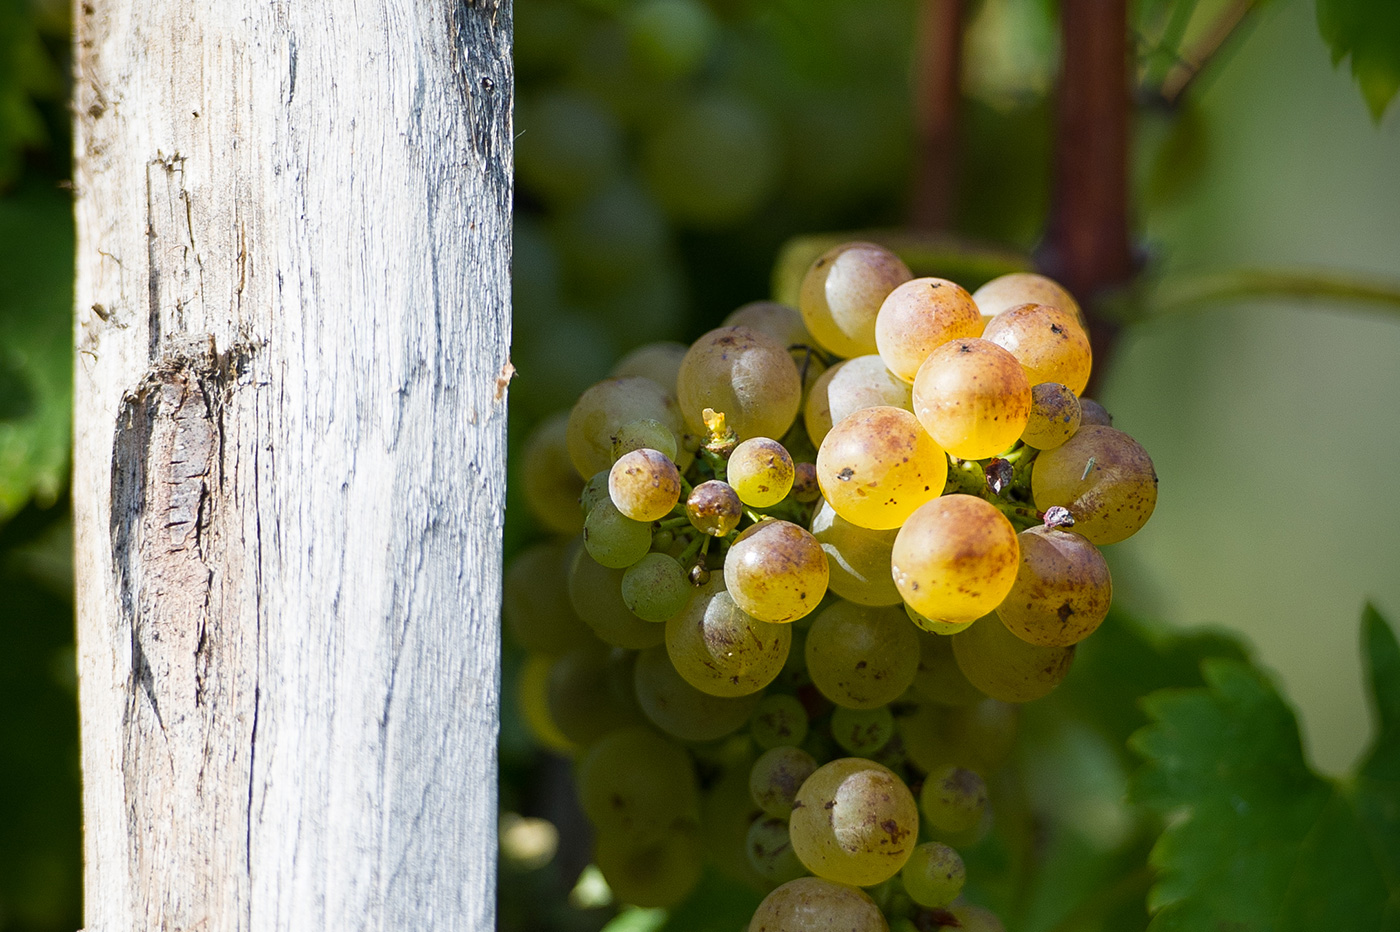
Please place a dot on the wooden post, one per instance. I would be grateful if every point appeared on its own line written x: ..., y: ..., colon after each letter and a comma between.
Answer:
x: 289, y: 481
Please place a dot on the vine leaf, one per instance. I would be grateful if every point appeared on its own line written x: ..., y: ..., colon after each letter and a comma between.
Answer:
x: 1369, y: 32
x: 1256, y: 841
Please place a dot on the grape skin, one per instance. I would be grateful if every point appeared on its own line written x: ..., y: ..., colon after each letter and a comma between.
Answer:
x: 854, y: 822
x: 861, y: 657
x: 1104, y: 477
x: 858, y: 558
x: 1046, y: 341
x: 776, y: 571
x: 920, y: 316
x: 841, y: 294
x: 644, y: 485
x: 605, y: 407
x: 953, y: 799
x: 655, y: 588
x: 955, y: 559
x: 760, y: 471
x: 681, y: 710
x: 850, y: 386
x: 776, y: 777
x: 1007, y: 668
x: 879, y: 465
x: 613, y: 539
x: 1055, y: 416
x: 810, y: 904
x: 1062, y: 592
x: 1025, y: 288
x: 779, y: 721
x: 722, y: 650
x: 745, y: 374
x: 973, y: 398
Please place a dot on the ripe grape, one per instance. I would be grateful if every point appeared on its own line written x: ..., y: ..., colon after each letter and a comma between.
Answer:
x: 779, y: 721
x: 850, y: 386
x: 1055, y: 416
x: 760, y: 471
x: 1104, y: 477
x: 955, y: 558
x: 934, y: 625
x: 861, y: 657
x: 810, y: 904
x: 613, y: 539
x: 973, y: 398
x: 854, y: 822
x: 862, y: 732
x: 920, y: 316
x: 550, y: 483
x: 1062, y: 591
x: 746, y: 375
x: 660, y: 362
x: 636, y: 782
x: 605, y: 407
x: 1024, y: 288
x: 722, y: 650
x: 535, y: 607
x: 776, y: 571
x: 779, y: 321
x: 1094, y: 413
x: 858, y: 558
x: 953, y: 799
x: 878, y: 465
x: 681, y: 710
x: 644, y: 485
x: 934, y: 875
x: 770, y: 850
x: 1048, y: 342
x: 1007, y: 668
x: 714, y: 508
x: 776, y: 777
x: 655, y: 588
x: 595, y: 592
x: 658, y: 874
x: 842, y: 292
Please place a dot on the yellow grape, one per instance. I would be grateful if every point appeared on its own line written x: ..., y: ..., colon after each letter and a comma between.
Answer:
x: 644, y: 485
x: 842, y: 292
x: 1007, y: 668
x: 973, y: 398
x: 776, y: 571
x: 878, y: 465
x: 810, y: 904
x: 1048, y: 342
x: 1025, y: 288
x: 604, y: 408
x: 1103, y: 477
x: 858, y: 558
x: 854, y: 822
x: 780, y: 321
x: 722, y: 650
x: 760, y: 472
x: 1055, y: 416
x: 850, y: 386
x: 713, y: 508
x: 861, y: 657
x: 745, y: 374
x: 920, y: 316
x: 955, y: 558
x: 1062, y: 590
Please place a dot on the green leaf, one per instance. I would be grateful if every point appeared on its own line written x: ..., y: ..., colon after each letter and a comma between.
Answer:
x: 1258, y: 842
x: 1369, y: 32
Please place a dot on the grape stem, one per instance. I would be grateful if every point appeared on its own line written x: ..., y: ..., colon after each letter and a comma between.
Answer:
x: 672, y: 523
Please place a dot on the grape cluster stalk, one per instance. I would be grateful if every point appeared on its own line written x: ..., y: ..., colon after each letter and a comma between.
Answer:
x: 807, y: 569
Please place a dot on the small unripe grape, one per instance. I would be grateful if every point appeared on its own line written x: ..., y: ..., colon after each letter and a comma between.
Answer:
x: 714, y: 508
x: 776, y: 571
x: 879, y: 465
x: 655, y: 588
x: 973, y: 398
x: 1062, y: 591
x: 934, y: 875
x: 776, y: 777
x: 841, y: 295
x: 779, y: 721
x: 1048, y: 342
x: 1104, y: 477
x: 644, y: 485
x: 920, y: 316
x: 760, y: 471
x: 770, y: 850
x: 854, y: 822
x: 644, y: 434
x: 953, y: 799
x: 955, y: 559
x: 850, y: 386
x: 595, y: 592
x: 1055, y: 416
x: 613, y: 539
x: 862, y: 732
x: 1007, y: 668
x: 1016, y: 288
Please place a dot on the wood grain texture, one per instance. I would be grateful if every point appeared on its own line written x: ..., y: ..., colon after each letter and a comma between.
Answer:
x: 289, y: 467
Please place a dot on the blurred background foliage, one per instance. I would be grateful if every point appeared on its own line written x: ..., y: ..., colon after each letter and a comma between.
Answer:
x: 666, y: 150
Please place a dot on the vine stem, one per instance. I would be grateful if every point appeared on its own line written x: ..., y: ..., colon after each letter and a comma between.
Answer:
x: 937, y: 99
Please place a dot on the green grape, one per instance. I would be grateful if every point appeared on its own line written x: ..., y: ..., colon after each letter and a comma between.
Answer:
x: 746, y: 375
x: 878, y: 465
x: 770, y: 851
x: 810, y: 904
x: 979, y: 737
x: 920, y: 316
x: 613, y: 539
x: 581, y: 699
x: 595, y: 592
x: 841, y: 295
x: 605, y: 407
x: 938, y: 678
x: 935, y: 625
x: 976, y: 919
x: 720, y: 649
x: 779, y: 720
x: 655, y: 588
x: 776, y: 777
x: 637, y: 783
x: 953, y: 799
x: 779, y: 321
x: 644, y: 434
x: 713, y: 160
x: 644, y: 485
x: 1104, y: 477
x: 1062, y: 591
x: 861, y: 657
x: 1055, y: 416
x: 854, y: 822
x: 1007, y: 668
x: 536, y: 607
x: 858, y: 558
x: 1005, y: 292
x: 660, y: 362
x: 934, y: 875
x: 595, y: 490
x: 713, y: 508
x: 661, y: 873
x: 973, y: 398
x: 681, y: 710
x: 1094, y: 413
x: 1048, y: 342
x: 551, y: 484
x: 805, y: 487
x: 760, y: 471
x: 776, y: 571
x: 862, y: 732
x: 573, y: 146
x: 670, y: 38
x: 532, y: 693
x: 726, y: 812
x: 849, y: 386
x: 955, y: 558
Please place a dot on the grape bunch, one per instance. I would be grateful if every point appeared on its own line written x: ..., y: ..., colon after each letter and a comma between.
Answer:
x: 821, y: 555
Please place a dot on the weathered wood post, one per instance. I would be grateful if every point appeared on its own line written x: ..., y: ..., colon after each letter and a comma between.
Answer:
x: 289, y: 465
